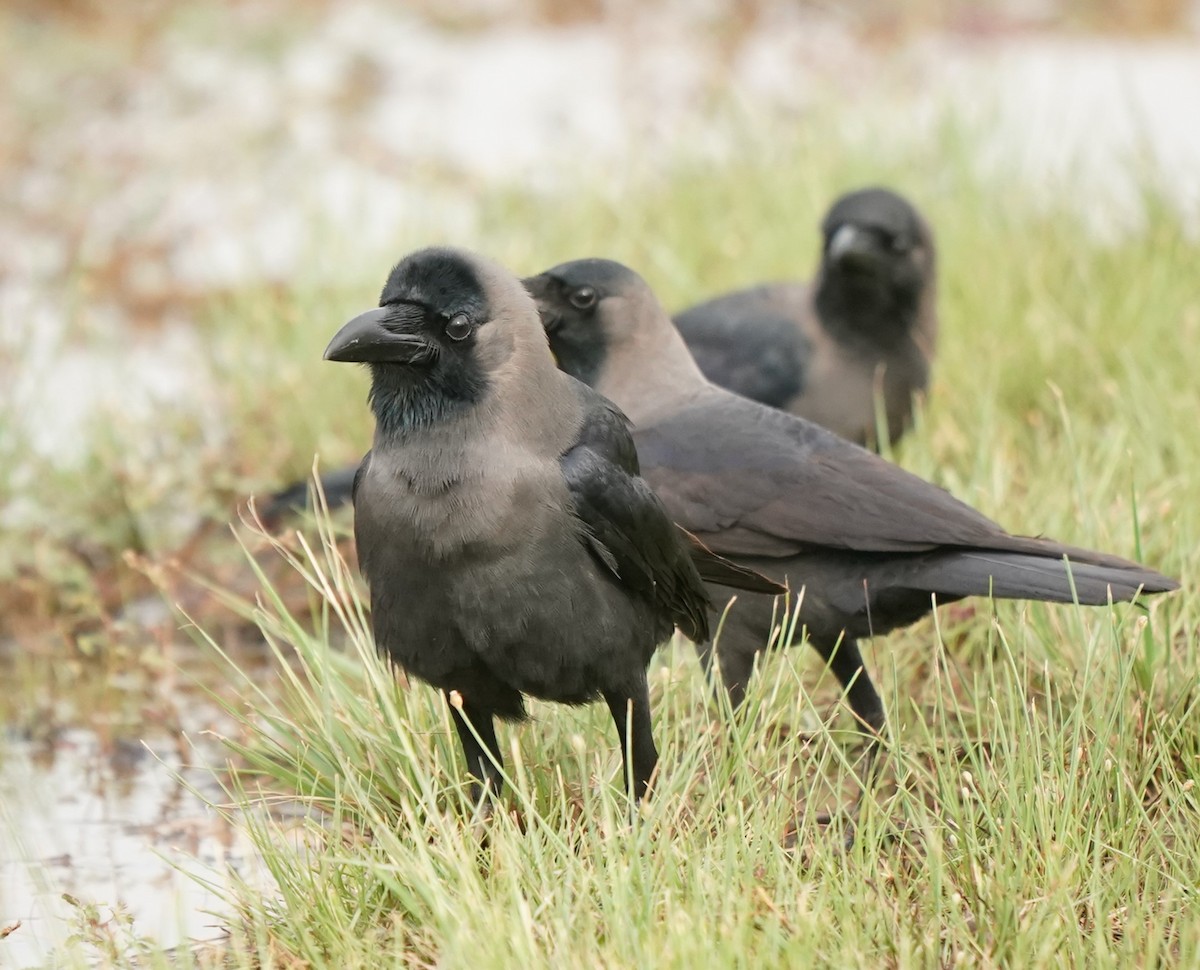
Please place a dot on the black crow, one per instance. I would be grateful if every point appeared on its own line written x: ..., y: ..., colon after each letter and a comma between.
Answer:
x: 508, y: 543
x: 870, y: 544
x: 863, y: 331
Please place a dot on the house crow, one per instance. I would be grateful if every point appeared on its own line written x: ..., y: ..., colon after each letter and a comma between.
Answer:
x: 863, y: 331
x: 870, y: 545
x: 509, y: 546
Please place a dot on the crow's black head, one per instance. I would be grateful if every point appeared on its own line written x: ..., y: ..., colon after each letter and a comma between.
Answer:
x: 876, y: 260
x: 445, y: 320
x: 584, y: 306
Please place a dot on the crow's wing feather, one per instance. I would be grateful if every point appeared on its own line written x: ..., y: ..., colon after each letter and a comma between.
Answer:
x: 756, y: 482
x: 749, y: 480
x: 750, y: 343
x: 628, y: 529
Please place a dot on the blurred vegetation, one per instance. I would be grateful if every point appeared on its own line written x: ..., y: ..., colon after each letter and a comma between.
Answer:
x: 879, y: 18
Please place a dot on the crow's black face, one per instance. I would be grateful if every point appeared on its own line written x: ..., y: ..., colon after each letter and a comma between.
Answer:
x: 421, y: 342
x: 572, y: 299
x: 876, y: 260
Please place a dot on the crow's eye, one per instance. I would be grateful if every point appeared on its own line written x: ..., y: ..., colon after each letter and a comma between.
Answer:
x: 458, y: 327
x: 583, y: 298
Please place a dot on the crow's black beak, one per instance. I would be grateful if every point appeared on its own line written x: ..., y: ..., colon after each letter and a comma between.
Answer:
x: 538, y: 288
x: 535, y: 286
x: 852, y: 247
x: 365, y: 340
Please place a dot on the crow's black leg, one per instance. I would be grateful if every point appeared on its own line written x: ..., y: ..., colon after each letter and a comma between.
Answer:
x: 846, y: 662
x: 482, y: 752
x: 847, y: 665
x: 734, y: 666
x: 631, y: 711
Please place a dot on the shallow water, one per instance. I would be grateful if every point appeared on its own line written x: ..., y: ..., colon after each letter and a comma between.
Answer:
x: 105, y: 795
x: 110, y: 830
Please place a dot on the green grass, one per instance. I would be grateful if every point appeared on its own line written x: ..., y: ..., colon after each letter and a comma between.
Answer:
x: 1036, y: 810
x: 1039, y: 804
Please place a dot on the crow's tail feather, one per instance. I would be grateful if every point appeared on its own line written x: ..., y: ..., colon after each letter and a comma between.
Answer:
x: 1014, y: 575
x: 338, y: 487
